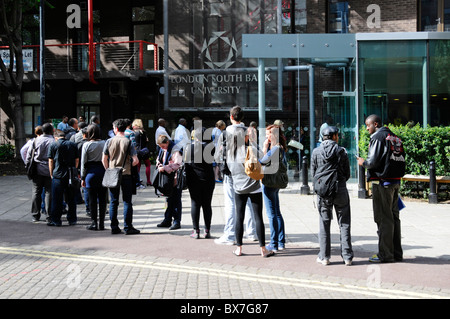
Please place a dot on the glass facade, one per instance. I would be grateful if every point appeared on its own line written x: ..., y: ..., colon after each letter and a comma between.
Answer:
x: 405, y: 81
x: 211, y: 73
x: 439, y: 82
x: 393, y: 80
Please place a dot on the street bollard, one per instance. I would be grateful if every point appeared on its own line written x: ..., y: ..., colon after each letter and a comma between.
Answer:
x: 362, y: 192
x: 432, y: 197
x: 304, y: 190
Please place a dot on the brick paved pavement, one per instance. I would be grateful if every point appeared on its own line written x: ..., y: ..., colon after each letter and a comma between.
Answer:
x: 38, y: 261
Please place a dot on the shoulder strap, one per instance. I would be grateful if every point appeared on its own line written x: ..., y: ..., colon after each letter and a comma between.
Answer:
x: 127, y: 153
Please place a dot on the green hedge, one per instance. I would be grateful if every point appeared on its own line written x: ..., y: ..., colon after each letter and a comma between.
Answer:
x: 422, y: 145
x: 7, y: 153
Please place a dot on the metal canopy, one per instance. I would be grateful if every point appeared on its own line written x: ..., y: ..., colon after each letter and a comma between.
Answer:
x: 314, y: 47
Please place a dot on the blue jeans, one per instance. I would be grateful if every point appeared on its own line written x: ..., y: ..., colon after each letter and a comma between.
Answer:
x: 126, y: 186
x: 276, y: 221
x: 60, y: 188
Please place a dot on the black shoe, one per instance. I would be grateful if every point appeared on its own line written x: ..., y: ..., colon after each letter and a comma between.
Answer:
x: 36, y: 218
x: 175, y: 226
x: 92, y: 226
x: 164, y: 224
x: 132, y: 231
x: 116, y: 231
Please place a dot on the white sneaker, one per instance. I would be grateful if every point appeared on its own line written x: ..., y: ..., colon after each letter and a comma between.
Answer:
x: 223, y: 241
x: 324, y: 261
x: 348, y: 262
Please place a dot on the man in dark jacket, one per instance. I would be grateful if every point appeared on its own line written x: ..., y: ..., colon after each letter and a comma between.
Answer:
x: 330, y: 156
x: 62, y: 158
x: 385, y: 166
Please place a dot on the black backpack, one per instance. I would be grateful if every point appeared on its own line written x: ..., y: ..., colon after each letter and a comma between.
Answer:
x: 223, y: 167
x: 325, y: 181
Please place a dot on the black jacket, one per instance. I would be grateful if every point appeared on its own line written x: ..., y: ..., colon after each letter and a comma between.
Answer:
x: 386, y: 158
x: 330, y: 151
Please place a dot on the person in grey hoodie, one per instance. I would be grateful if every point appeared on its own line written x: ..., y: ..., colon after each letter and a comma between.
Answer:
x: 330, y: 151
x: 244, y: 186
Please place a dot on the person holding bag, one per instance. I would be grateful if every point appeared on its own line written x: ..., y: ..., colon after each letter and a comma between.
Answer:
x: 117, y: 152
x: 275, y: 178
x: 244, y: 187
x: 168, y: 162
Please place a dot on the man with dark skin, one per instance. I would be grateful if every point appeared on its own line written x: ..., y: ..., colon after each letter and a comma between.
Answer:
x: 385, y: 176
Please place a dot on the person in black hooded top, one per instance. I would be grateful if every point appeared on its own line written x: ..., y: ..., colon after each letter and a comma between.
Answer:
x: 329, y: 152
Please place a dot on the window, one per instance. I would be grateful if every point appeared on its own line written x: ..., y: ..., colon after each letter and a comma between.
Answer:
x: 439, y: 83
x: 88, y: 104
x: 31, y: 111
x: 392, y: 80
x: 143, y: 23
x: 435, y: 15
x: 337, y: 17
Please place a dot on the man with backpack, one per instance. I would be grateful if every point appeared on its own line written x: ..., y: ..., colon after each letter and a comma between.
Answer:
x: 330, y: 169
x: 385, y: 166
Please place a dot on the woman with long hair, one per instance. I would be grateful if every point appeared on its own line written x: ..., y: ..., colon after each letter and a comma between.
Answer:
x: 142, y: 148
x: 274, y: 150
x: 92, y: 171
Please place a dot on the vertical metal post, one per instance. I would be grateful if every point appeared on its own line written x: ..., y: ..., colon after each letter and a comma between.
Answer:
x: 166, y: 53
x: 312, y: 116
x: 432, y: 197
x: 42, y: 59
x: 279, y: 60
x: 91, y: 41
x: 304, y: 190
x: 362, y: 193
x: 262, y: 101
x: 425, y: 94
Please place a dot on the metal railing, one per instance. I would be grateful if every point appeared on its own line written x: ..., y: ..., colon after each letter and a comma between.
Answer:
x: 108, y: 56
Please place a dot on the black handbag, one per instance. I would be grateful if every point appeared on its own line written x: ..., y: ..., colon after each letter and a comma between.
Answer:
x: 74, y: 180
x: 181, y: 178
x: 113, y: 176
x: 280, y: 178
x: 31, y: 166
x: 163, y: 183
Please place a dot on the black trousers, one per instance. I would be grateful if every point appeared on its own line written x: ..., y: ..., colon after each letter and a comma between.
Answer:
x: 201, y: 197
x: 256, y: 200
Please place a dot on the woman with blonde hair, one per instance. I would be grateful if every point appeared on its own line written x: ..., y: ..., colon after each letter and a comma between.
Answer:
x: 141, y: 148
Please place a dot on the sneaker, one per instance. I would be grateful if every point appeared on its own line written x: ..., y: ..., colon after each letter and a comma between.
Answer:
x: 195, y: 234
x: 374, y: 259
x: 324, y: 261
x: 224, y: 241
x: 252, y: 238
x: 271, y: 247
x: 348, y: 262
x: 207, y: 234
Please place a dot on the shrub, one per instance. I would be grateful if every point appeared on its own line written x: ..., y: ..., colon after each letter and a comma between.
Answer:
x: 422, y: 145
x: 7, y: 153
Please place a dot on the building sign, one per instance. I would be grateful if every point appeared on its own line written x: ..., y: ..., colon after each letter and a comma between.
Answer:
x: 27, y: 59
x: 214, y: 84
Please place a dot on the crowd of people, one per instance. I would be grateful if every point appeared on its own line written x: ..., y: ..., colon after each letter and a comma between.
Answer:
x: 72, y: 158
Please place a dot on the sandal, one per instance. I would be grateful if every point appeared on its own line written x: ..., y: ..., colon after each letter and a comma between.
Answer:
x: 237, y: 254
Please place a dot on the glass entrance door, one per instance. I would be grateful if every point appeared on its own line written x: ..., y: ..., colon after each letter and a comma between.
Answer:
x: 341, y: 107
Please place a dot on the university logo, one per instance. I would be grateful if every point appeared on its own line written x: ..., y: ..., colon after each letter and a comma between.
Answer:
x: 228, y: 45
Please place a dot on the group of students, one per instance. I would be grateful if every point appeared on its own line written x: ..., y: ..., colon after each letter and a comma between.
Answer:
x: 60, y: 157
x: 204, y: 162
x: 65, y: 164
